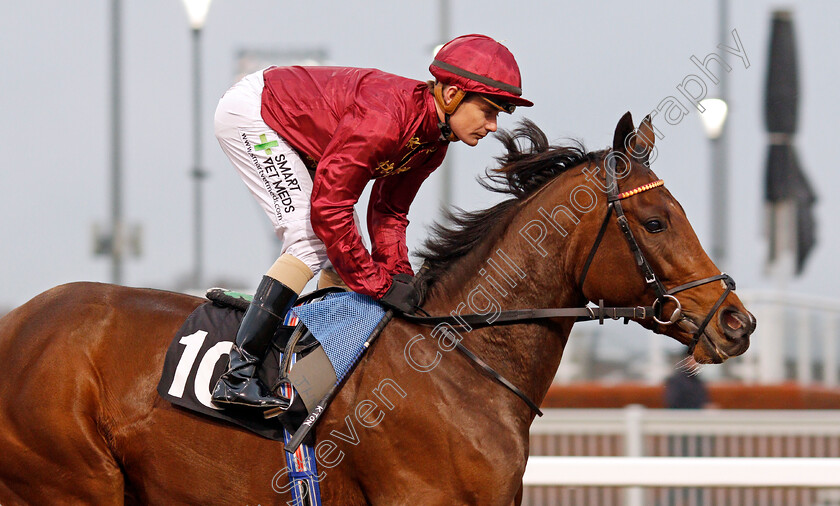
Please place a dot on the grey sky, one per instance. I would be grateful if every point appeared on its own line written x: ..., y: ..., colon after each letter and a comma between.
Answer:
x: 583, y: 66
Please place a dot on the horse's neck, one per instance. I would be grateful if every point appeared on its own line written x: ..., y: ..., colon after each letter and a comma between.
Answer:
x: 504, y: 275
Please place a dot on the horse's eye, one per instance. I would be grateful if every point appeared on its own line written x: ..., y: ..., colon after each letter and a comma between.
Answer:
x: 654, y: 226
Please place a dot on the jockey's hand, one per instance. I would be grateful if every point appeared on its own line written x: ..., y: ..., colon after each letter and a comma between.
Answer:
x: 402, y: 296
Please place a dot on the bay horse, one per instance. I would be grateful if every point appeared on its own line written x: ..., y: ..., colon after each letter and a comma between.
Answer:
x: 81, y: 422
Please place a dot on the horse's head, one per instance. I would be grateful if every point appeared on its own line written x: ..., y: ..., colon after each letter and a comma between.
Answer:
x: 635, y: 248
x: 670, y: 271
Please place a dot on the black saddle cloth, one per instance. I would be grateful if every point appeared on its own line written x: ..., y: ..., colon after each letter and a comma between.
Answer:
x: 198, y: 356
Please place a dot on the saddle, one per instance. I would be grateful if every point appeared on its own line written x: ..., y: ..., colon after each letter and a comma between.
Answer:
x: 317, y: 345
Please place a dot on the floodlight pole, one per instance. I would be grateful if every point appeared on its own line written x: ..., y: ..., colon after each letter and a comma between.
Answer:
x: 719, y: 177
x: 197, y: 13
x: 198, y: 173
x: 445, y: 166
x: 116, y: 239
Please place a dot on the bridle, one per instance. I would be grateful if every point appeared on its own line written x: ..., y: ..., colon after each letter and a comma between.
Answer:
x: 470, y: 322
x: 662, y: 294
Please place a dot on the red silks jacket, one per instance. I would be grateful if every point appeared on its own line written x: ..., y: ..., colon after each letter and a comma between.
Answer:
x: 356, y: 125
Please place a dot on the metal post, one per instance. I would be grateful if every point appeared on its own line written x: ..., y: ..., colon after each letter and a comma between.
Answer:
x: 116, y: 243
x: 771, y: 353
x: 658, y: 367
x: 634, y: 447
x: 719, y: 177
x: 719, y: 202
x: 804, y: 358
x: 445, y: 166
x: 197, y: 172
x: 830, y: 379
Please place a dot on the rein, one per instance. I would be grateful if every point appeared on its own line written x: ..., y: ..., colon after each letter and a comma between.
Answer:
x: 469, y: 322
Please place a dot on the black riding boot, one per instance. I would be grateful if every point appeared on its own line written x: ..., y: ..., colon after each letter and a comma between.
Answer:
x: 240, y: 384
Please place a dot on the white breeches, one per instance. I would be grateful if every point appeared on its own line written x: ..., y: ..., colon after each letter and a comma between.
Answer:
x: 272, y: 170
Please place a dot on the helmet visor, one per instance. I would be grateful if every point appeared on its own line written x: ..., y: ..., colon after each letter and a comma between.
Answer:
x: 498, y: 103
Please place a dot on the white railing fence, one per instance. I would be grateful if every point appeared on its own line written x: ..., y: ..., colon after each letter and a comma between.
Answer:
x: 704, y: 457
x: 799, y: 339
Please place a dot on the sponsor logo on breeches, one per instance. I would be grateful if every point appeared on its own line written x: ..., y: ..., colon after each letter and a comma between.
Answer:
x: 276, y: 174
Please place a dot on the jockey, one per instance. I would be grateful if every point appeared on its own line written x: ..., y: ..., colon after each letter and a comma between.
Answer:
x: 307, y: 140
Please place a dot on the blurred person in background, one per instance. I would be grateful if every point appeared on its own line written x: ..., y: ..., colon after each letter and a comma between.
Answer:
x: 684, y: 388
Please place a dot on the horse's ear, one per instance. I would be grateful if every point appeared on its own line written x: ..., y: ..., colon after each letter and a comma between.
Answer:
x: 642, y: 141
x: 622, y: 132
x: 646, y: 131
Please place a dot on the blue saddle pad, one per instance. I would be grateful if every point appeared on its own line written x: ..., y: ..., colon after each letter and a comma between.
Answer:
x: 341, y: 322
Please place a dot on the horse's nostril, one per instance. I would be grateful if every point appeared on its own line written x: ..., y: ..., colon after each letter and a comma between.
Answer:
x: 732, y: 322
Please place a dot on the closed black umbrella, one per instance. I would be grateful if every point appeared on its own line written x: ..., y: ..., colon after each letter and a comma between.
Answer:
x: 785, y: 182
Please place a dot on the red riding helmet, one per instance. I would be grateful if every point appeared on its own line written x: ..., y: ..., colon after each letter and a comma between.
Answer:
x: 478, y: 64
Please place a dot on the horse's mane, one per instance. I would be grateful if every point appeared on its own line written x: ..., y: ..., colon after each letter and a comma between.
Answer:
x: 529, y: 163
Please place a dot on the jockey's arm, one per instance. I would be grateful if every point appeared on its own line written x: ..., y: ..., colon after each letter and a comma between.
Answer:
x: 387, y: 218
x: 343, y: 172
